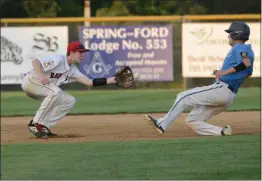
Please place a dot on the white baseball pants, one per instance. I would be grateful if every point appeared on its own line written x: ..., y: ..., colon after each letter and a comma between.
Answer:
x: 204, y: 102
x: 55, y: 103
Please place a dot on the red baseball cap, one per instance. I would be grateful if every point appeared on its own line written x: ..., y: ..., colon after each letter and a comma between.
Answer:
x: 76, y: 46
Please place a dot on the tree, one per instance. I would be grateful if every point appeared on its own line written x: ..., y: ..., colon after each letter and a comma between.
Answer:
x: 40, y: 8
x: 177, y: 7
x: 75, y: 8
x: 118, y: 8
x: 231, y: 7
x: 70, y: 8
x: 98, y: 4
x: 12, y: 9
x: 151, y: 7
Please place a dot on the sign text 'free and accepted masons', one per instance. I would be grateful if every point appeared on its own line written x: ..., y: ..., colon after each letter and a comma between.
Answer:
x: 148, y: 49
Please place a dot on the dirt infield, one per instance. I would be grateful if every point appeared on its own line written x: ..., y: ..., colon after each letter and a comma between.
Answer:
x: 120, y: 127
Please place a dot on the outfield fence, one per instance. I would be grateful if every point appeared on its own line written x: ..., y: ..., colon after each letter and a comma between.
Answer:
x: 198, y: 45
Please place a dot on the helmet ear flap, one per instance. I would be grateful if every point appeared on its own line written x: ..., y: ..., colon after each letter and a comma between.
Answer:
x: 239, y: 36
x: 233, y: 35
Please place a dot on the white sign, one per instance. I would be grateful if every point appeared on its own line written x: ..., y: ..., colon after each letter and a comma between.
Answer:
x: 20, y: 45
x: 205, y: 46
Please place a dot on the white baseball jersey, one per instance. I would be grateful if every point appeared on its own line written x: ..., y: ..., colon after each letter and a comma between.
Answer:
x: 56, y: 69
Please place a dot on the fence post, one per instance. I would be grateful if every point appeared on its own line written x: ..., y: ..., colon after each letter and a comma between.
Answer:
x: 187, y: 82
x: 87, y: 11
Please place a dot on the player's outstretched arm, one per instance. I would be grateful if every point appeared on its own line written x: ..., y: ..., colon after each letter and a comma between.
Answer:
x: 95, y: 82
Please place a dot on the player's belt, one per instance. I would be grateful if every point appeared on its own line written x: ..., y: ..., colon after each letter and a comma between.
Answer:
x: 229, y: 87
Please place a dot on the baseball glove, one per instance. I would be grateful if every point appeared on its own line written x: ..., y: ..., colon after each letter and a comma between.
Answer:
x: 125, y: 77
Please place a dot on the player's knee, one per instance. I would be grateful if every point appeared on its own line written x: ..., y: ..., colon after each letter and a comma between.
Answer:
x: 71, y: 101
x: 55, y: 92
x: 190, y: 122
x: 180, y: 96
x: 54, y: 95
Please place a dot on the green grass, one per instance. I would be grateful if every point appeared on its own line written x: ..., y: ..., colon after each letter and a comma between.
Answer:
x: 216, y: 158
x: 121, y: 101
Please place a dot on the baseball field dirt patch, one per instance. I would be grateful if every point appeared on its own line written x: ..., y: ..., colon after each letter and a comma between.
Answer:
x: 121, y: 127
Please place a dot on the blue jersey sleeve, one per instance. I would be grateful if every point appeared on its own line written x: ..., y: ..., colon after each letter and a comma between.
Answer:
x: 239, y: 53
x: 236, y: 55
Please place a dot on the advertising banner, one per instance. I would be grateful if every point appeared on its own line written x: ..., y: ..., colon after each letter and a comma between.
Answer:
x: 148, y: 49
x: 20, y: 45
x: 205, y: 45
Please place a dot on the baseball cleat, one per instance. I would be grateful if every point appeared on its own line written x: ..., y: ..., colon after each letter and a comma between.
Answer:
x: 226, y: 131
x: 33, y: 129
x: 45, y: 132
x: 40, y: 131
x: 153, y: 122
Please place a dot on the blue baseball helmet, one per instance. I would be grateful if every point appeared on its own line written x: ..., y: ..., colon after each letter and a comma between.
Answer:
x: 239, y: 30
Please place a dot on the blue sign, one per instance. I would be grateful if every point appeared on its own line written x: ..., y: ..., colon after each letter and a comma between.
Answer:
x: 147, y: 49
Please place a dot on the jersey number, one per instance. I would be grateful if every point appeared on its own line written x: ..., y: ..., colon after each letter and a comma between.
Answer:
x: 55, y: 75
